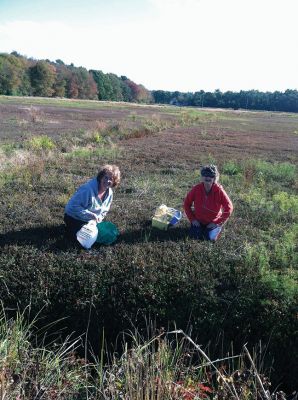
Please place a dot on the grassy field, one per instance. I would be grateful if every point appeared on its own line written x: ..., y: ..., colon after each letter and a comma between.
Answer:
x: 243, y: 289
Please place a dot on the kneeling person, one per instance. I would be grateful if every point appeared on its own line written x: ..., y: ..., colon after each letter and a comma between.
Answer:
x: 207, y: 206
x: 92, y: 200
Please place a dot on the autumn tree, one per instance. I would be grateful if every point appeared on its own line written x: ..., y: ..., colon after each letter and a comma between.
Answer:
x: 25, y: 76
x: 139, y: 93
x: 81, y: 84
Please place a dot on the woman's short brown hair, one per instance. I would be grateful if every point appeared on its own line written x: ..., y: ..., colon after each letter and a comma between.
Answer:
x: 113, y: 169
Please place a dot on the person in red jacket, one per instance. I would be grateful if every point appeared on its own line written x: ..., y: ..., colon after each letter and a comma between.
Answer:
x: 207, y: 206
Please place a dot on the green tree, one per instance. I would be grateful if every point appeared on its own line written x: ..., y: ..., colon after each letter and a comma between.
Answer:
x: 115, y: 88
x: 109, y: 86
x: 126, y: 92
x: 42, y: 76
x: 62, y: 76
x: 99, y: 78
x: 14, y: 79
x: 161, y: 96
x: 199, y: 98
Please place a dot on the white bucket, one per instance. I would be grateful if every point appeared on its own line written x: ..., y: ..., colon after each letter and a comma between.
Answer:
x: 87, y: 235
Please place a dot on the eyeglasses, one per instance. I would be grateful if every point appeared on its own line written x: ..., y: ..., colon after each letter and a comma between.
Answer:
x: 107, y: 178
x: 207, y: 179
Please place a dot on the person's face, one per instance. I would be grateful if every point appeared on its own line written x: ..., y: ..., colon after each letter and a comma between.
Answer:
x: 106, y: 181
x: 208, y: 182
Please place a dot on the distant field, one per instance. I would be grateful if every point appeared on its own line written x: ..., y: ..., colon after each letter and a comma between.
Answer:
x: 242, y: 289
x: 219, y: 133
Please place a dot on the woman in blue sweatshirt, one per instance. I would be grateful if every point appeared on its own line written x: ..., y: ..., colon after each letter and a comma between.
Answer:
x: 92, y: 200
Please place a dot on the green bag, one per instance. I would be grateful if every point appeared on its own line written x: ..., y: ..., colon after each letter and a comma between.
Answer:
x: 107, y: 232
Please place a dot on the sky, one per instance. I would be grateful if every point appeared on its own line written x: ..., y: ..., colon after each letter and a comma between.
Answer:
x: 184, y: 45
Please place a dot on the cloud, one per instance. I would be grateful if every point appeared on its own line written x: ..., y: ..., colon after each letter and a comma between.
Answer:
x: 40, y: 40
x: 184, y: 45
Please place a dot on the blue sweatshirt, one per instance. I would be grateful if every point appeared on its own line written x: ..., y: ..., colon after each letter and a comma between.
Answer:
x: 85, y: 203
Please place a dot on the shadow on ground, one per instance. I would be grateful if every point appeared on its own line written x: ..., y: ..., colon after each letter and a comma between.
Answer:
x: 149, y: 234
x: 45, y: 237
x: 53, y: 237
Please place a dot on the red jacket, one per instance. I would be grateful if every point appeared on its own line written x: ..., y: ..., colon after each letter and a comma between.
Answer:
x: 214, y: 206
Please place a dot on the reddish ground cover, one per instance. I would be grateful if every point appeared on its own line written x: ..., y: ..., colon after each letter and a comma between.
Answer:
x: 222, y: 134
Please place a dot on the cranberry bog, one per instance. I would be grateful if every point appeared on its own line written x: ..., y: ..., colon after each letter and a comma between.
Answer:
x: 242, y: 289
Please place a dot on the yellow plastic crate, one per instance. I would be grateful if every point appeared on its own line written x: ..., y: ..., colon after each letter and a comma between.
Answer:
x: 157, y: 223
x: 162, y: 217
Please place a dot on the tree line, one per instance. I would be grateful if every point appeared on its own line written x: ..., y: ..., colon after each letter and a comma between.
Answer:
x: 249, y: 99
x: 22, y: 76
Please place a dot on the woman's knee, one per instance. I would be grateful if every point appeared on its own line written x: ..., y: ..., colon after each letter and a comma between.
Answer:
x: 214, y: 234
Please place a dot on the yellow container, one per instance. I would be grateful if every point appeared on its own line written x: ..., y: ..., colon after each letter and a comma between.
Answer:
x: 157, y: 223
x: 162, y: 217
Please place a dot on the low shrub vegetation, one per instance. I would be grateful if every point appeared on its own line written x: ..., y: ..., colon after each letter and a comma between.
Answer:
x: 242, y: 289
x: 40, y: 143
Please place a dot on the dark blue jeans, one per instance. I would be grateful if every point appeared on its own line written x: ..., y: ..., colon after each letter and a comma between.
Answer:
x: 72, y: 226
x: 203, y: 233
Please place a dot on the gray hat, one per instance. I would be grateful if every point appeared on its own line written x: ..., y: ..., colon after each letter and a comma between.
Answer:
x: 209, y: 171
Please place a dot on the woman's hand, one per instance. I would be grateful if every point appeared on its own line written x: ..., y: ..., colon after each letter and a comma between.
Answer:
x: 196, y: 223
x: 211, y: 225
x: 97, y: 218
